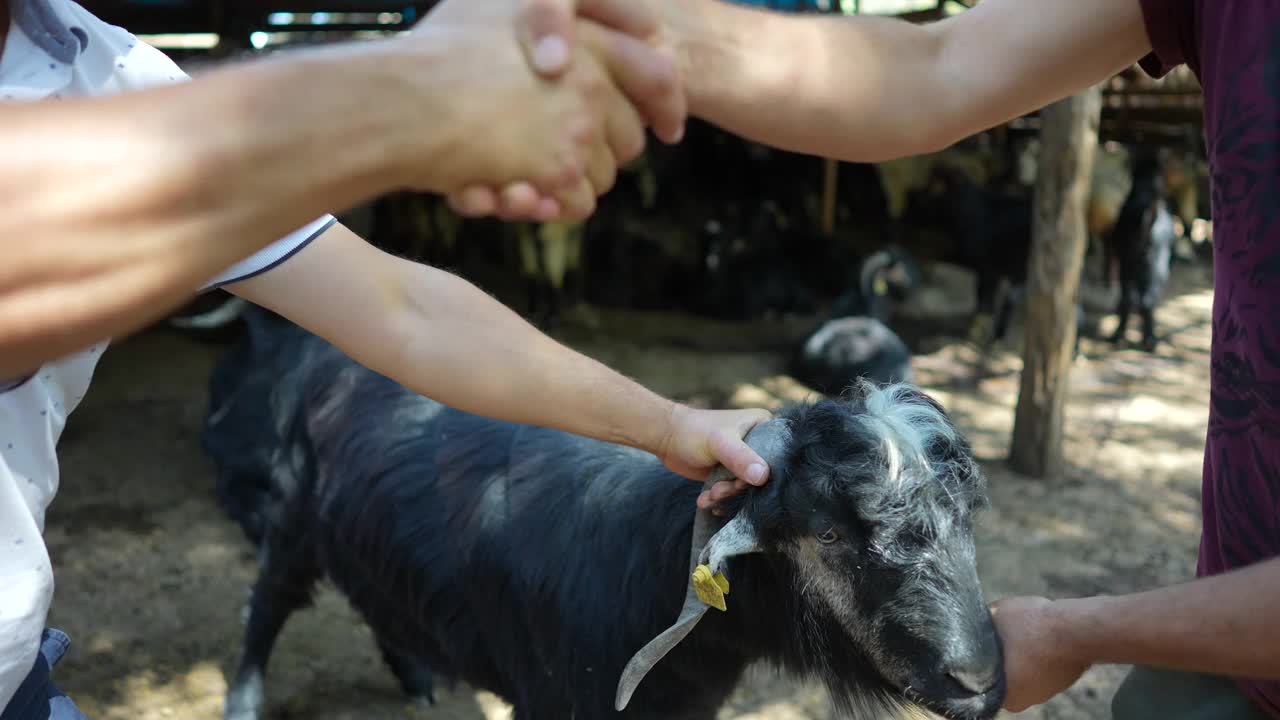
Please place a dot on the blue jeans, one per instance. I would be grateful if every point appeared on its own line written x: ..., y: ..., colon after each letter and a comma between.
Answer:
x: 37, y: 697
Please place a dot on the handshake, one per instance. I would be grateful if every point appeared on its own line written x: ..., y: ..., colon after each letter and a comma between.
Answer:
x: 531, y: 106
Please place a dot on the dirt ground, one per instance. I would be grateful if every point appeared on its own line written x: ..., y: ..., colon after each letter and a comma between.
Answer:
x: 152, y: 576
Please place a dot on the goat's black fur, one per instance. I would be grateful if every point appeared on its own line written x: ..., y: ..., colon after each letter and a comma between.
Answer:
x: 533, y: 562
x: 991, y: 231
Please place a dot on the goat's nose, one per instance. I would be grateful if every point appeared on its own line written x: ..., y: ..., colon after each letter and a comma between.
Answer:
x: 978, y: 679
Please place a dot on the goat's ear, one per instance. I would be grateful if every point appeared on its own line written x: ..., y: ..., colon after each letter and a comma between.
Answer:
x: 737, y: 537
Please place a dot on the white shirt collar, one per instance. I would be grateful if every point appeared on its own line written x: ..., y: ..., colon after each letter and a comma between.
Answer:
x: 28, y: 70
x: 48, y: 27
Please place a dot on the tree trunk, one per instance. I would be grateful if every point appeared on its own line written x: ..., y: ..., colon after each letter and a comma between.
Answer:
x: 1069, y: 139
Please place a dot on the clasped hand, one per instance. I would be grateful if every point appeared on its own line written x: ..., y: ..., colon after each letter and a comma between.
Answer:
x: 536, y: 129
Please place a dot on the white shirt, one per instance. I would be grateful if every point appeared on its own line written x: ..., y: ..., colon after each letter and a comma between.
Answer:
x: 34, y: 410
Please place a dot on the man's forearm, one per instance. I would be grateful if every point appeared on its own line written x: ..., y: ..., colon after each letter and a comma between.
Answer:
x: 1222, y: 625
x: 809, y: 83
x: 443, y: 337
x: 511, y: 370
x: 869, y: 89
x: 117, y: 208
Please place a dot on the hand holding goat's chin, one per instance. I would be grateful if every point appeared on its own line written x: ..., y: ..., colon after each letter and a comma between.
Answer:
x: 1040, y: 663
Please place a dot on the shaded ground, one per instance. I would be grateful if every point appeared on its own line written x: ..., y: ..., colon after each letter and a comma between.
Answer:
x: 151, y: 576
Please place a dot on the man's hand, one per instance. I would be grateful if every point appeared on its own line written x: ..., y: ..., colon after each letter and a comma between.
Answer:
x: 1041, y: 660
x: 699, y: 440
x: 547, y: 33
x: 565, y: 139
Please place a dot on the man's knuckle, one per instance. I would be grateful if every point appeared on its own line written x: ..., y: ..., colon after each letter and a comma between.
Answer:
x: 631, y: 147
x: 659, y: 82
x: 538, y: 12
x: 563, y: 172
x: 582, y: 132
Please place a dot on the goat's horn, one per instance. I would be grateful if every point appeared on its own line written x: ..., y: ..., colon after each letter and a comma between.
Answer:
x: 874, y: 263
x: 713, y: 543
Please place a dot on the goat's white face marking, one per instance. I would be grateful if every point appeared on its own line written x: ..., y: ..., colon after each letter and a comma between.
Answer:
x: 825, y: 585
x: 833, y: 589
x: 906, y: 428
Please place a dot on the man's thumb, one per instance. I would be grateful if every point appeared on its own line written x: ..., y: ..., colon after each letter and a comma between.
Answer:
x: 546, y: 34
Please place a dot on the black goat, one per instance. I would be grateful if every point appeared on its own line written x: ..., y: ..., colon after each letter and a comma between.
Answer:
x: 992, y: 234
x: 855, y: 341
x: 534, y: 563
x: 1141, y: 243
x: 1016, y: 297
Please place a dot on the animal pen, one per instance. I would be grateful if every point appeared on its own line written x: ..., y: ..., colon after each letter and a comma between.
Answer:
x: 718, y: 258
x: 825, y: 212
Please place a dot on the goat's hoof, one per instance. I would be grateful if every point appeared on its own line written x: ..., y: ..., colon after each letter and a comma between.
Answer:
x: 980, y: 331
x: 1149, y: 345
x: 244, y: 700
x: 420, y: 707
x: 238, y: 712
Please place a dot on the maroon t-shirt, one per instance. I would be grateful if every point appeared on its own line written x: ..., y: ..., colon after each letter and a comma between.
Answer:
x: 1233, y: 46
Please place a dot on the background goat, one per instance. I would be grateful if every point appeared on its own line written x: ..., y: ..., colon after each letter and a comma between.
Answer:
x: 854, y: 340
x: 1141, y: 244
x: 990, y: 233
x: 535, y: 563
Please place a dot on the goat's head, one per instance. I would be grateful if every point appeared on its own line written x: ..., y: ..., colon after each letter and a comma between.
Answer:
x: 887, y: 274
x: 869, y: 508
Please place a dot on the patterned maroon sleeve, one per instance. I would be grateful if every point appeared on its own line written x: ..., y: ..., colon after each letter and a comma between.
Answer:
x: 1171, y: 27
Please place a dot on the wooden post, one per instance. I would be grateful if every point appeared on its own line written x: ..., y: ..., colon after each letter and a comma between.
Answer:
x: 1069, y: 140
x: 830, y: 179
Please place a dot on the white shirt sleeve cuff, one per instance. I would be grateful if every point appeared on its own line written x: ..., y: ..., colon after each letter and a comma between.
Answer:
x: 272, y: 255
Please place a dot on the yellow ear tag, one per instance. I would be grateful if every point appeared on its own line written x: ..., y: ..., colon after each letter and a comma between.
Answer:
x: 710, y: 590
x: 881, y: 285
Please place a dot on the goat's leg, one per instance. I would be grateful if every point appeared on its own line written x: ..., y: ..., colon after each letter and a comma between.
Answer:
x: 576, y: 280
x: 529, y: 248
x: 1148, y: 315
x: 1123, y: 309
x: 1081, y: 326
x: 423, y: 244
x: 1122, y: 325
x: 284, y: 584
x: 560, y: 245
x: 416, y: 679
x: 1012, y: 298
x: 551, y: 319
x: 535, y: 299
x: 980, y: 328
x: 446, y: 227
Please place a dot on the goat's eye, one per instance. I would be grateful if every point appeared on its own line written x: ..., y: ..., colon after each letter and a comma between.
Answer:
x: 828, y: 536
